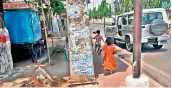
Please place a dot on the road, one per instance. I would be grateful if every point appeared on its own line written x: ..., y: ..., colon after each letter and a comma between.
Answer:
x: 156, y: 63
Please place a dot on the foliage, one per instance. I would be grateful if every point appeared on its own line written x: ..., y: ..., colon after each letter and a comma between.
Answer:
x: 90, y: 14
x: 128, y: 5
x: 56, y: 5
x: 103, y: 10
x: 156, y: 3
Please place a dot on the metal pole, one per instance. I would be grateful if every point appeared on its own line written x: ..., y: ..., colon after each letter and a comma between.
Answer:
x: 137, y: 38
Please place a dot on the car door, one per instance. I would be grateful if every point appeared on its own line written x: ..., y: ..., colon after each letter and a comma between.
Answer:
x: 122, y: 24
x: 130, y: 26
x: 111, y: 30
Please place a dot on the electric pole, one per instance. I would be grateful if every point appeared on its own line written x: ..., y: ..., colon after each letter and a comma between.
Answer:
x: 137, y: 38
x: 136, y: 79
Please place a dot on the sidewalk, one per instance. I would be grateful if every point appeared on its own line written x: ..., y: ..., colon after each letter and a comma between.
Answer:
x: 117, y: 79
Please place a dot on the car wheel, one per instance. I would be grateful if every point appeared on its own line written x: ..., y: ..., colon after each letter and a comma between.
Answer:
x: 128, y: 45
x: 156, y: 46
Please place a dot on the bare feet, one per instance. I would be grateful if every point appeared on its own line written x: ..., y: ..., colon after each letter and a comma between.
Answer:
x: 111, y: 72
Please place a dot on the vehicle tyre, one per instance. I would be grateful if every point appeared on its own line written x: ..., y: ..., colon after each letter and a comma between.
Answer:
x: 128, y: 45
x: 158, y: 27
x: 156, y: 46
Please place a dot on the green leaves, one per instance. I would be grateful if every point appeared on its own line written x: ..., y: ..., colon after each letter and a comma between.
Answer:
x: 57, y: 6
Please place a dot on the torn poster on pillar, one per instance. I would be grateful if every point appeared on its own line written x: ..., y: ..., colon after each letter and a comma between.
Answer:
x: 73, y: 11
x: 83, y: 64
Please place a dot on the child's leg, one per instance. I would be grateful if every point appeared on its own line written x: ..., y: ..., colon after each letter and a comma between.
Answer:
x: 95, y: 47
x: 99, y: 47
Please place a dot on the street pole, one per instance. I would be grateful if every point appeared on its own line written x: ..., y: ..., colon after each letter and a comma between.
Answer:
x: 137, y: 80
x: 137, y: 38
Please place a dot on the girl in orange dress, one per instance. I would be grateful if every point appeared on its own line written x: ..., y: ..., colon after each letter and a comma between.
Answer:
x: 109, y: 62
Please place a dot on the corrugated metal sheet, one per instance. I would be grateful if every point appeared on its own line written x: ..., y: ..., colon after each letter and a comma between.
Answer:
x: 23, y: 26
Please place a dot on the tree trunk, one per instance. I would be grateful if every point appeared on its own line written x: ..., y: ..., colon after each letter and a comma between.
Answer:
x: 6, y: 62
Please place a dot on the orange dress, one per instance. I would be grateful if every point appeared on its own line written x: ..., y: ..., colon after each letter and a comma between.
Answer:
x: 109, y: 62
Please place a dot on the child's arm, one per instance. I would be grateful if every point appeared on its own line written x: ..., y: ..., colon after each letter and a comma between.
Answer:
x: 114, y: 50
x: 102, y: 39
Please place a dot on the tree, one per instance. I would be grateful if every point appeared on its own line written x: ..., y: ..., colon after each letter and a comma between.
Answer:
x: 110, y: 10
x: 121, y: 6
x: 156, y: 3
x: 57, y: 7
x: 90, y: 14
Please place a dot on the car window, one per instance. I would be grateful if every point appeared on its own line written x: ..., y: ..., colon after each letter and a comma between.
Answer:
x: 147, y: 18
x: 119, y: 21
x: 124, y: 20
x: 130, y: 19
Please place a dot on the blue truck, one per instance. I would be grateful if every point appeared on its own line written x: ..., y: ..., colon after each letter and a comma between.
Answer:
x: 23, y: 24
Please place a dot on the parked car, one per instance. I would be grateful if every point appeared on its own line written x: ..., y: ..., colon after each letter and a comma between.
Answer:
x: 154, y: 28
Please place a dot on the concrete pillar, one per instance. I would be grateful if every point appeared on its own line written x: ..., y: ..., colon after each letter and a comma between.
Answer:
x: 6, y: 62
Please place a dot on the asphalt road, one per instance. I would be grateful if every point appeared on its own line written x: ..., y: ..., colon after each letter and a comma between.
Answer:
x: 155, y: 61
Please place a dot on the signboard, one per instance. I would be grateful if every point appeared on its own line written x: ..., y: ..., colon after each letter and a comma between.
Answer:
x: 19, y: 5
x: 79, y: 41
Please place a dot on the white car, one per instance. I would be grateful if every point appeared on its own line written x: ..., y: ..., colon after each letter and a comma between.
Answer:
x: 154, y: 28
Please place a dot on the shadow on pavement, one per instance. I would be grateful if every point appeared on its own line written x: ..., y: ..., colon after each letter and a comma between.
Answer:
x: 145, y: 48
x: 150, y: 49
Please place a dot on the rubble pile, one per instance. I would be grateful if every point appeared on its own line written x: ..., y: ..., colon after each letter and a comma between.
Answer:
x: 39, y: 79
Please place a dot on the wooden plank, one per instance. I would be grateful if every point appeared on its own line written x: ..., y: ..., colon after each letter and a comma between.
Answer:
x: 72, y: 83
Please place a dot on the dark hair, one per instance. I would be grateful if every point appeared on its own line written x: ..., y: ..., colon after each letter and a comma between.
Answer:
x: 109, y: 41
x: 98, y: 31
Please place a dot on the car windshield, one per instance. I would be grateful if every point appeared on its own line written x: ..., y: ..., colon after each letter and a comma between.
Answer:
x: 147, y: 18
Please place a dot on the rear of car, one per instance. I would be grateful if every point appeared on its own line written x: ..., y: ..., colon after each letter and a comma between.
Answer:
x: 155, y: 29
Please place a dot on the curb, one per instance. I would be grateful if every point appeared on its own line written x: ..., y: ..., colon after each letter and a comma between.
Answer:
x: 129, y: 62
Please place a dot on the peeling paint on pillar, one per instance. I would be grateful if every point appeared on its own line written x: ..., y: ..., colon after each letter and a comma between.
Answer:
x: 80, y: 48
x: 6, y: 63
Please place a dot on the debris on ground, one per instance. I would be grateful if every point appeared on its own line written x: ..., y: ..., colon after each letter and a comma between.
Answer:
x: 41, y: 78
